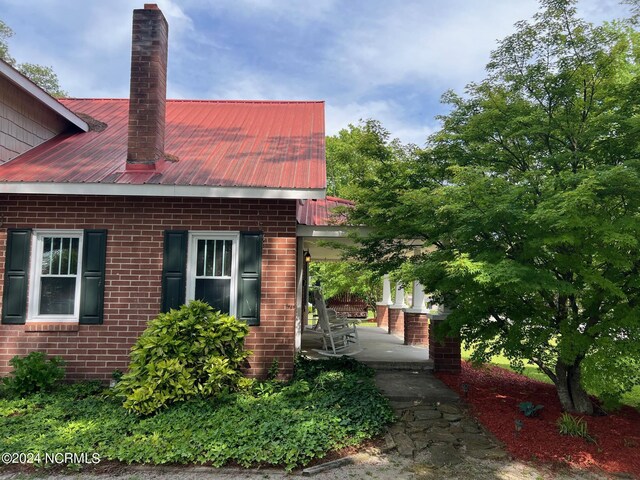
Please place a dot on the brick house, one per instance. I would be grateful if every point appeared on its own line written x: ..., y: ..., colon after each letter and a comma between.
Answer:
x: 114, y: 210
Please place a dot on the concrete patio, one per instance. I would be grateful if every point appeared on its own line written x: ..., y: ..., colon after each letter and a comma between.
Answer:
x: 378, y: 348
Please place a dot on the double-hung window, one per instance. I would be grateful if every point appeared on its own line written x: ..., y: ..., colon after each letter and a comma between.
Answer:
x: 56, y: 273
x: 213, y: 267
x: 221, y: 268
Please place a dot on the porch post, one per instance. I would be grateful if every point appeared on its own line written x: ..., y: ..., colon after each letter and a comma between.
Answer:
x: 418, y: 298
x: 416, y: 323
x: 445, y: 352
x: 301, y: 300
x: 396, y: 314
x: 382, y: 308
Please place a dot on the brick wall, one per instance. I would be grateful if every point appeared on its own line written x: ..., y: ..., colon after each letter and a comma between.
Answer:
x: 133, y: 273
x: 382, y: 316
x: 416, y: 329
x: 396, y: 321
x: 446, y: 353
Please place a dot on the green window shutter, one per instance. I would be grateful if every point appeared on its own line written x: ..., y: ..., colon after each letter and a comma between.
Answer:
x: 16, y: 276
x: 94, y: 255
x: 249, y: 277
x: 174, y: 269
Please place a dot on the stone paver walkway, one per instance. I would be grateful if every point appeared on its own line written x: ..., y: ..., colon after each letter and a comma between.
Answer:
x: 440, y: 434
x: 433, y: 427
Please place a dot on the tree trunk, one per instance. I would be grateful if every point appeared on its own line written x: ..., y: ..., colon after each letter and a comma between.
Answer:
x: 573, y: 397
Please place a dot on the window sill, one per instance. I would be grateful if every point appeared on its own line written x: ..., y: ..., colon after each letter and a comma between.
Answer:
x: 39, y: 326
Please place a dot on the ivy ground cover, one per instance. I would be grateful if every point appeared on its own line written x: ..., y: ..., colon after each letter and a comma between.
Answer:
x: 495, y: 394
x: 329, y: 405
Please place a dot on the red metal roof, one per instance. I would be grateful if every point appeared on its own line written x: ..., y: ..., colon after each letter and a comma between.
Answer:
x: 255, y: 144
x: 321, y: 212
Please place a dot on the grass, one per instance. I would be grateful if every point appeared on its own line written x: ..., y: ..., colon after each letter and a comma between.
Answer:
x: 367, y: 324
x: 530, y: 370
x: 329, y: 405
x: 631, y: 398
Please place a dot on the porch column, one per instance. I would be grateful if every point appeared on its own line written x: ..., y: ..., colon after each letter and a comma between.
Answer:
x: 396, y: 314
x: 301, y: 294
x: 416, y: 323
x: 382, y: 308
x: 445, y: 352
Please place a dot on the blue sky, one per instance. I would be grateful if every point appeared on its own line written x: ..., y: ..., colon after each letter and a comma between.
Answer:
x: 385, y: 59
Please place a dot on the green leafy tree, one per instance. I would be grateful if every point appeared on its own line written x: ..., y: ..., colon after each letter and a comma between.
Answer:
x: 5, y: 34
x: 354, y: 158
x: 41, y: 75
x: 347, y: 277
x: 355, y: 154
x: 530, y: 197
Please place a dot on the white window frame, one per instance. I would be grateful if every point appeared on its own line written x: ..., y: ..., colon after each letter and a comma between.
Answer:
x: 36, y: 268
x: 192, y: 256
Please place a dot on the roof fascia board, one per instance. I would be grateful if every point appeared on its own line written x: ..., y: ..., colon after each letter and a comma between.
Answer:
x: 32, y: 89
x: 148, y: 190
x: 336, y: 231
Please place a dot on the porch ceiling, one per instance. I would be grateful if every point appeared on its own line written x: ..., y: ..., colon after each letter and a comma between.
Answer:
x: 320, y: 252
x: 321, y: 241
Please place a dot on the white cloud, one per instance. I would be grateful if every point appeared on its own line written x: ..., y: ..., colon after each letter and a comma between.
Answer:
x: 598, y: 11
x: 340, y: 115
x: 108, y: 30
x: 383, y: 59
x: 292, y: 11
x: 88, y: 43
x: 426, y: 42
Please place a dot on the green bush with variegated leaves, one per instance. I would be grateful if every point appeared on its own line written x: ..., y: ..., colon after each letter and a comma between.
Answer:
x: 194, y: 351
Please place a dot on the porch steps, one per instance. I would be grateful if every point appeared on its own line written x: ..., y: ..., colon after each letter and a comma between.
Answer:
x: 413, y: 388
x: 381, y: 365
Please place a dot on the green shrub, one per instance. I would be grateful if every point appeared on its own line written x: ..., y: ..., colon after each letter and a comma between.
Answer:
x: 34, y: 373
x: 574, y: 427
x: 193, y: 351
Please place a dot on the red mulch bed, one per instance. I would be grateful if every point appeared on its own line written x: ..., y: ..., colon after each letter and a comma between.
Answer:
x: 494, y: 395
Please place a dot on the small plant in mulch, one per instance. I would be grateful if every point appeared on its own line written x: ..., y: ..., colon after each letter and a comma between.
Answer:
x: 529, y: 409
x: 574, y: 427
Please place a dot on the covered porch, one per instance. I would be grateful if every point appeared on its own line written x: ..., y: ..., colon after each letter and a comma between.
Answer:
x: 378, y: 349
x: 403, y: 335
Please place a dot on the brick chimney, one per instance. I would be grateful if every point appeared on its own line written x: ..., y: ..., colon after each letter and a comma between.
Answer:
x: 147, y: 100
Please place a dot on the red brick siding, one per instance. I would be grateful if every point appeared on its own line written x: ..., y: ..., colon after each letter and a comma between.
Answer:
x: 396, y: 321
x: 445, y: 353
x: 382, y: 316
x: 416, y: 329
x: 133, y: 273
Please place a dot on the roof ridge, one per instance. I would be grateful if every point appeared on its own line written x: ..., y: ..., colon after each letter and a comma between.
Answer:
x: 94, y: 99
x: 181, y: 100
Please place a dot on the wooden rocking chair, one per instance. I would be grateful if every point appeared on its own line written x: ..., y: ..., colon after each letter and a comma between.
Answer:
x: 338, y: 334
